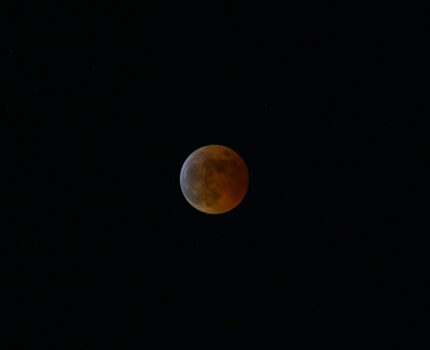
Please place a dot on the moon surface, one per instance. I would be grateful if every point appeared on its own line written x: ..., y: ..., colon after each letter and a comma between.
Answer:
x: 214, y: 179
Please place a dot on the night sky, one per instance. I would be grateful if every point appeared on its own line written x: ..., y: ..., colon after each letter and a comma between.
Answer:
x: 113, y: 99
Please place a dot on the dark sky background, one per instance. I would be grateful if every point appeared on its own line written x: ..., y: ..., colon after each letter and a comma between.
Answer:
x: 112, y: 100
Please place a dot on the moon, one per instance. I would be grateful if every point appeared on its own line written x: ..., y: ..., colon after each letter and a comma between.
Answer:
x: 214, y: 179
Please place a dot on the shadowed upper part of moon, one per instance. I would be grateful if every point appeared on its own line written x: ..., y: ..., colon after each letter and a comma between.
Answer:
x: 214, y: 179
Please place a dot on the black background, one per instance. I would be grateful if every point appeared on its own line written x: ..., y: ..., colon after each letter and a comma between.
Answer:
x: 318, y: 102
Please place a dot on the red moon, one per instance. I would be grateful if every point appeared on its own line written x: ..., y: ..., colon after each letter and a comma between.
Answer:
x: 214, y: 179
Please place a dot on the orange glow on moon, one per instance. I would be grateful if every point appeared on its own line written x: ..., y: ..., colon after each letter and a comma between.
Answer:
x: 214, y: 179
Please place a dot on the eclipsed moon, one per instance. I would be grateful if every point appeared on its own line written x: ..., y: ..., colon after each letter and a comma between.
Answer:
x: 214, y: 179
